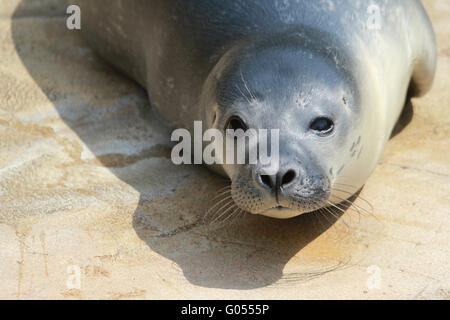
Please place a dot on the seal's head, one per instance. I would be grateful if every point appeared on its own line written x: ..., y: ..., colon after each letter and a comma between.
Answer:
x: 310, y: 97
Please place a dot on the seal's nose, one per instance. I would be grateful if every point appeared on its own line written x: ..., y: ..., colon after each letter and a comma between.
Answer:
x: 281, y: 180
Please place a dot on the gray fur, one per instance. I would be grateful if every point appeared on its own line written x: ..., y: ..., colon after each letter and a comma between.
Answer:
x: 277, y: 64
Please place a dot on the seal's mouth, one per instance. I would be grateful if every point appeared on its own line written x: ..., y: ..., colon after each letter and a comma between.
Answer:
x: 302, y: 195
x: 280, y: 212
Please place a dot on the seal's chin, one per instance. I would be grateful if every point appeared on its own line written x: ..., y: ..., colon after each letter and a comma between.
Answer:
x: 281, y: 213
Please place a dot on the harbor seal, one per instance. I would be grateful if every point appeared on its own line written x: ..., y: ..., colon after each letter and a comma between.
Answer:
x: 332, y: 76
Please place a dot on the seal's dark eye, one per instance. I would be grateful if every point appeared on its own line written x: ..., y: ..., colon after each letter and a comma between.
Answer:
x: 322, y: 125
x: 235, y: 123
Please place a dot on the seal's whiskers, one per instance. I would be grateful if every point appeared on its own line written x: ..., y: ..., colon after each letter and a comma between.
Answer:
x: 223, y: 210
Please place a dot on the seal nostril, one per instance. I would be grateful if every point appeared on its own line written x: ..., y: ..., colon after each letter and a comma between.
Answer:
x: 267, y: 181
x: 288, y: 177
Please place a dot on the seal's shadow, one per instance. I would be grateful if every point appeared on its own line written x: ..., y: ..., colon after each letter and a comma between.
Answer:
x: 112, y: 117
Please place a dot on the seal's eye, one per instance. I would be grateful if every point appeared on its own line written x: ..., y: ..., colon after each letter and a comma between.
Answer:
x: 235, y: 123
x: 322, y: 125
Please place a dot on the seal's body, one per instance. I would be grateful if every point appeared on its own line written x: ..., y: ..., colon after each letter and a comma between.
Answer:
x: 333, y: 76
